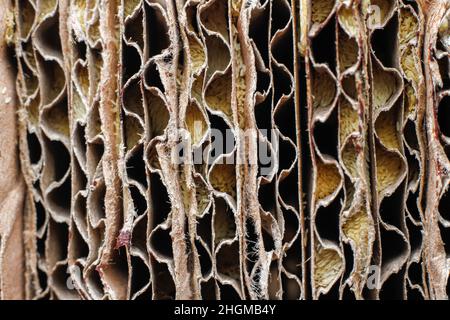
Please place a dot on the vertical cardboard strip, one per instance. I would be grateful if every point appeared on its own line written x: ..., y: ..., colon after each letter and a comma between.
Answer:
x: 12, y: 190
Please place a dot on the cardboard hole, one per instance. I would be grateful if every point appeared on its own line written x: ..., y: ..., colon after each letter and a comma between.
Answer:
x: 385, y: 8
x: 444, y: 205
x: 41, y: 244
x: 291, y: 225
x: 59, y: 284
x: 29, y: 58
x: 445, y: 236
x: 389, y: 168
x: 385, y: 86
x: 320, y: 10
x: 393, y: 246
x: 228, y: 293
x: 223, y: 178
x: 80, y: 215
x: 267, y: 196
x: 96, y: 202
x: 332, y: 294
x: 282, y: 82
x: 161, y: 242
x: 282, y: 49
x: 286, y: 186
x: 325, y: 135
x: 291, y: 288
x: 160, y: 202
x: 348, y: 120
x: 259, y: 31
x: 415, y: 273
x: 30, y: 80
x: 284, y: 118
x: 347, y: 20
x: 136, y: 167
x: 323, y: 89
x: 356, y: 228
x: 393, y: 288
x: 195, y: 122
x: 47, y: 35
x: 204, y: 228
x: 218, y: 94
x: 348, y: 51
x: 252, y: 244
x: 140, y: 274
x: 384, y: 43
x: 327, y: 180
x: 327, y: 219
x: 82, y: 78
x: 139, y: 202
x: 191, y: 10
x: 287, y: 154
x: 197, y: 54
x: 132, y: 62
x: 132, y: 98
x: 227, y: 259
x: 443, y: 115
x: 134, y: 29
x: 215, y: 17
x: 391, y: 209
x: 202, y: 194
x: 158, y: 115
x: 57, y: 243
x: 386, y: 128
x: 208, y: 289
x: 349, y: 261
x: 350, y: 159
x: 33, y: 147
x: 274, y: 286
x: 79, y: 177
x: 95, y: 153
x: 223, y: 220
x: 52, y: 80
x: 56, y: 118
x: 27, y: 15
x: 152, y: 77
x: 57, y: 159
x: 78, y: 247
x: 134, y: 132
x: 79, y: 142
x: 138, y: 239
x: 322, y: 49
x: 157, y: 30
x: 218, y: 55
x: 163, y: 284
x: 349, y: 87
x: 292, y: 262
x: 327, y: 267
x: 41, y: 217
x: 205, y: 259
x: 59, y: 200
x: 94, y: 283
x: 43, y: 279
